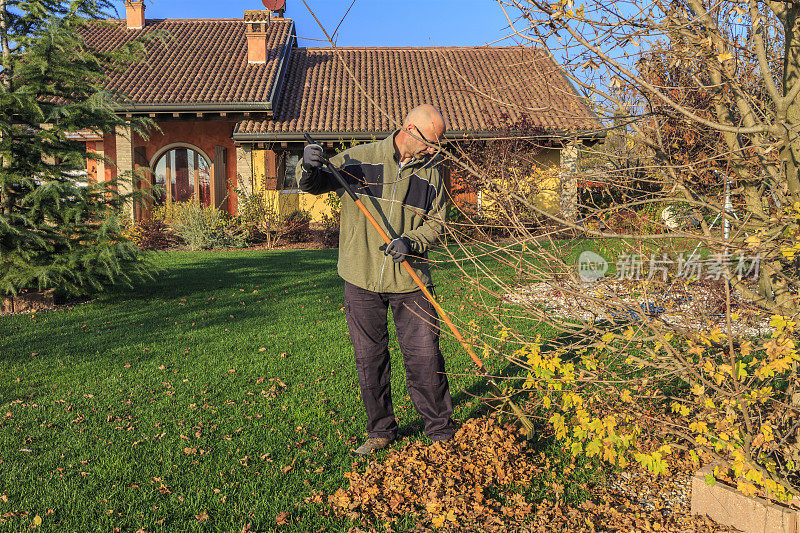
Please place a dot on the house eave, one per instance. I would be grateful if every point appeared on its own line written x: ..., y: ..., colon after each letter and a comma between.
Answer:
x: 452, y: 135
x: 186, y: 107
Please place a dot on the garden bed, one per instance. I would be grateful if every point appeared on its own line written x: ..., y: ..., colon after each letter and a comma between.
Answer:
x: 690, y: 306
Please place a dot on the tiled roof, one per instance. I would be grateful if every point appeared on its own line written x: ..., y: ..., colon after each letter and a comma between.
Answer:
x: 472, y: 87
x: 201, y: 61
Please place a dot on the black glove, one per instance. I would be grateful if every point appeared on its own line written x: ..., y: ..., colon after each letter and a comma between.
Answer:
x: 313, y: 157
x: 399, y: 248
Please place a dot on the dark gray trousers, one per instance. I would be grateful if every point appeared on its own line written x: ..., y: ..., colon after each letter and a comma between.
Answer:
x: 417, y: 326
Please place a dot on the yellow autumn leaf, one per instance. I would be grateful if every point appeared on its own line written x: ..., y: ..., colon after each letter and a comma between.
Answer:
x: 37, y: 520
x: 748, y: 489
x: 724, y: 56
x: 753, y: 241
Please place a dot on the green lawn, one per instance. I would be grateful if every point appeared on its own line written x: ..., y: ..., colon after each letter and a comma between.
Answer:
x: 226, y: 388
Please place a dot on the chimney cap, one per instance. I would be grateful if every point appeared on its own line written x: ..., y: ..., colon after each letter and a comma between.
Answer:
x: 256, y: 15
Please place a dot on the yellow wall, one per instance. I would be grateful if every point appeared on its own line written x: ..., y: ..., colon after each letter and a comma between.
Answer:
x: 288, y: 201
x: 543, y: 184
x: 545, y: 179
x: 315, y: 205
x: 285, y: 202
x: 259, y: 170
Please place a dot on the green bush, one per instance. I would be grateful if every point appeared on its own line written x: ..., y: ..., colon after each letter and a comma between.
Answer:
x: 331, y: 222
x: 203, y: 227
x: 297, y: 226
x: 152, y: 234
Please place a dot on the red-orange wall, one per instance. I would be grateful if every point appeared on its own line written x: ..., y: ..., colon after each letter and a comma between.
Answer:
x: 91, y: 164
x: 206, y: 135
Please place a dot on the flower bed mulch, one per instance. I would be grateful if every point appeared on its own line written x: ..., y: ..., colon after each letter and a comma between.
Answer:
x: 477, y: 482
x: 692, y: 306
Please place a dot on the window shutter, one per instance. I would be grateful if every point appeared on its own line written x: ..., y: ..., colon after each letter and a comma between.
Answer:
x: 220, y: 176
x: 281, y: 169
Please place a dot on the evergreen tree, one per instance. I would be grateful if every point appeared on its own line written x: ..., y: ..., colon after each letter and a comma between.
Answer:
x: 56, y: 230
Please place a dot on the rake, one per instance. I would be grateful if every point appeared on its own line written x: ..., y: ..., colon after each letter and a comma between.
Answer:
x: 481, y: 368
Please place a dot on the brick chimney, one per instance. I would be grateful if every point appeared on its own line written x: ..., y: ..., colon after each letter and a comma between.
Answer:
x: 134, y: 12
x: 257, y: 22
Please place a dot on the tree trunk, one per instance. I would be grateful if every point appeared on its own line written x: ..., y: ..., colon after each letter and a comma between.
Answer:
x: 790, y: 153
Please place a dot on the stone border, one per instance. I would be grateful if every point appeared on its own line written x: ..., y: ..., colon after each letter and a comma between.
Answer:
x: 727, y: 506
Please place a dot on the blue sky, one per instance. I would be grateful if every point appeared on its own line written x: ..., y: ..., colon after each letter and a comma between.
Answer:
x: 369, y: 23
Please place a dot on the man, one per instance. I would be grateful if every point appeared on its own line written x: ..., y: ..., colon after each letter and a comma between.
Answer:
x: 401, y: 185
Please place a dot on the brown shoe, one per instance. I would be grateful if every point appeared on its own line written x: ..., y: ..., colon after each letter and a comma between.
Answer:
x: 372, y: 444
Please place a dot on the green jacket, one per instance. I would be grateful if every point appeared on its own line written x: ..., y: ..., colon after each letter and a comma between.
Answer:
x: 407, y: 202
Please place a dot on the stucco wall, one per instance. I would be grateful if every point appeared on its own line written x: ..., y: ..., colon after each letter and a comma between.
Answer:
x: 263, y: 166
x: 545, y: 177
x: 206, y: 135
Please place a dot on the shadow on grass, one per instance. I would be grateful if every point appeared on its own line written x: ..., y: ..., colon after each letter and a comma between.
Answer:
x: 479, y: 389
x: 150, y: 310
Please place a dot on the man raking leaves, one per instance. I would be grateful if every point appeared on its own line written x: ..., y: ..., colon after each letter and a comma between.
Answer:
x: 399, y: 183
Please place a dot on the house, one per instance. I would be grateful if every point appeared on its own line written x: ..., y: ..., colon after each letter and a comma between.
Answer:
x: 233, y: 98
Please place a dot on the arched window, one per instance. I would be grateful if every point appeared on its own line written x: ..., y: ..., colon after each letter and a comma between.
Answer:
x: 185, y: 174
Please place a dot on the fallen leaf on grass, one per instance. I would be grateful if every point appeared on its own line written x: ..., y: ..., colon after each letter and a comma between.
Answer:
x: 202, y: 516
x: 282, y: 519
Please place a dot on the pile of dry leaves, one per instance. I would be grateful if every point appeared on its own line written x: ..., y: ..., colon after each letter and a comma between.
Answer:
x: 474, y: 483
x: 444, y: 484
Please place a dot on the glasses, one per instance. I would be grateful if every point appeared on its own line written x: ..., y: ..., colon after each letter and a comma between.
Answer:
x: 421, y: 135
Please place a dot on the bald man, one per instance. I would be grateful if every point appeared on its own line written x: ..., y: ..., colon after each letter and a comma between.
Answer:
x: 400, y: 182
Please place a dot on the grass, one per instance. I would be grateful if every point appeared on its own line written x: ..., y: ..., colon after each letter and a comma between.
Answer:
x: 226, y: 389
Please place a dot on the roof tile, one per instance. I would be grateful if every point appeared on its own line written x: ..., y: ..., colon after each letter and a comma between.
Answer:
x: 474, y: 88
x: 199, y: 61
